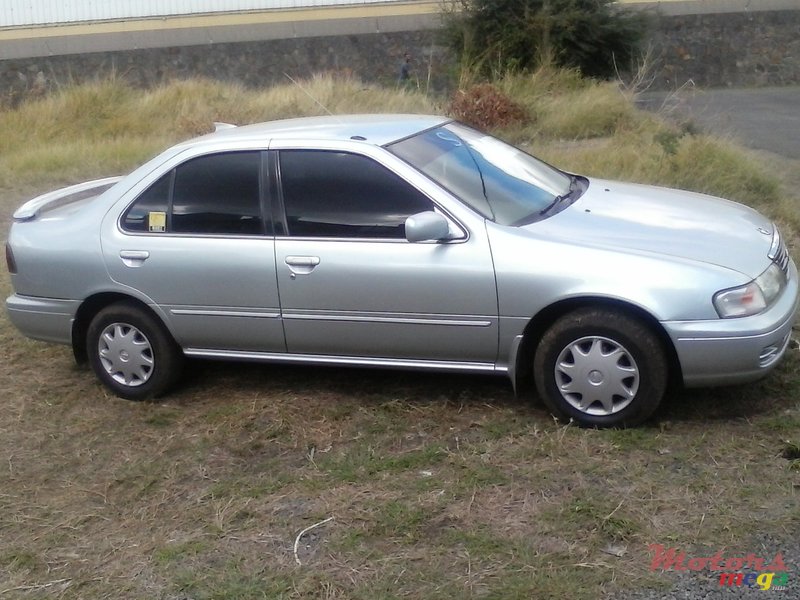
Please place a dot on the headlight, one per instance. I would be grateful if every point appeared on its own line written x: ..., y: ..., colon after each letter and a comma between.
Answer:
x: 752, y: 298
x: 771, y: 282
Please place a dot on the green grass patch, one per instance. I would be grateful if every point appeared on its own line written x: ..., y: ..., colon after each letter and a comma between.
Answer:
x: 625, y: 440
x: 362, y: 462
x: 252, y: 486
x: 235, y: 583
x: 19, y: 560
x: 400, y: 520
x: 162, y: 417
x: 179, y: 551
x: 591, y: 515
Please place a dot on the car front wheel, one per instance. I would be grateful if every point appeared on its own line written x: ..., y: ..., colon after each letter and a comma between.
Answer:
x: 600, y: 368
x: 131, y: 352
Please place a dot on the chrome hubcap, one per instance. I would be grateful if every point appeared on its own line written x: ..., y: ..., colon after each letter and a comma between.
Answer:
x: 597, y: 376
x: 126, y: 354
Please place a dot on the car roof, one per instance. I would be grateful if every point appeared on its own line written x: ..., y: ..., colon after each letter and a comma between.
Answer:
x: 377, y: 129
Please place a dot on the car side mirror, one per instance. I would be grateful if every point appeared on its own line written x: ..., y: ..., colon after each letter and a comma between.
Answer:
x: 427, y: 226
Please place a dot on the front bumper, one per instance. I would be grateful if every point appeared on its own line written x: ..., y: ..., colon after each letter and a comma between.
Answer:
x: 47, y: 319
x: 727, y: 351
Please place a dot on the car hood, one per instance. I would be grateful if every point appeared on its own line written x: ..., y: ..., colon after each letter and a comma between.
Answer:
x: 687, y: 225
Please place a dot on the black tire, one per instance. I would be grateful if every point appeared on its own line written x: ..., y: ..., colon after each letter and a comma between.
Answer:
x: 600, y: 368
x: 132, y: 353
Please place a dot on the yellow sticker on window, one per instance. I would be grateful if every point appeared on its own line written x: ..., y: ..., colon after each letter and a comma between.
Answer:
x: 157, y: 221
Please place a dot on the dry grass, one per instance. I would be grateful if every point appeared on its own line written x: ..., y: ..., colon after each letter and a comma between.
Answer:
x: 108, y: 127
x: 441, y: 486
x: 701, y: 163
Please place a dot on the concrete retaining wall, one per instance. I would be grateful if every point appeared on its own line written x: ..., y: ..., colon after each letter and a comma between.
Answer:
x: 739, y: 49
x: 372, y: 57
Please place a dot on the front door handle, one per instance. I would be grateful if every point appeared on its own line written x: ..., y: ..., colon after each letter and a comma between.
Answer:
x: 301, y: 265
x: 134, y: 258
x: 302, y: 261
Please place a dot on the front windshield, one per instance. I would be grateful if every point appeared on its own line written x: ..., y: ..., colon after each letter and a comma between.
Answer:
x: 495, y: 179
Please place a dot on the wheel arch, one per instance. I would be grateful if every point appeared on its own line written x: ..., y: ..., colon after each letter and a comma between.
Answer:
x: 90, y: 307
x: 539, y: 323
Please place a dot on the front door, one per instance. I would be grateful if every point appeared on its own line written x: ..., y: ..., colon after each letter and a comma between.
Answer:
x: 351, y: 285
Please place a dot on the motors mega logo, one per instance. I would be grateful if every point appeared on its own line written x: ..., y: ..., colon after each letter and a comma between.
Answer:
x: 740, y: 571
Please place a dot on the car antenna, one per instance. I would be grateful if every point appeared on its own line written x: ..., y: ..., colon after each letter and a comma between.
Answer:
x: 307, y: 93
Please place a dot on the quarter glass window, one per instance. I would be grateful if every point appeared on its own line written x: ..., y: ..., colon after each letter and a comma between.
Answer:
x: 149, y: 211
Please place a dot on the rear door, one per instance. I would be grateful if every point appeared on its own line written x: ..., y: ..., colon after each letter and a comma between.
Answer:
x: 199, y: 244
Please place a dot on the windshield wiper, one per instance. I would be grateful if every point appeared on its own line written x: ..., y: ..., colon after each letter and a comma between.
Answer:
x: 556, y: 201
x: 573, y: 185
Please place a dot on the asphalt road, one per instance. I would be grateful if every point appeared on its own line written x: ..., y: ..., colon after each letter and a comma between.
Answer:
x: 759, y: 118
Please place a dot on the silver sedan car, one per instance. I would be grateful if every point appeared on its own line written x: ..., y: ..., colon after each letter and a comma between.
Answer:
x: 402, y: 241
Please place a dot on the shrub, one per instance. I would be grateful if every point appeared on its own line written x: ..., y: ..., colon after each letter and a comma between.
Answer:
x: 502, y: 35
x: 485, y: 107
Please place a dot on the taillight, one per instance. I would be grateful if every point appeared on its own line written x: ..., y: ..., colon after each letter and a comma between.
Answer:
x: 10, y: 262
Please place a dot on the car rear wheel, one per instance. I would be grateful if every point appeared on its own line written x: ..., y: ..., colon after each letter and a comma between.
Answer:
x: 132, y: 353
x: 600, y: 368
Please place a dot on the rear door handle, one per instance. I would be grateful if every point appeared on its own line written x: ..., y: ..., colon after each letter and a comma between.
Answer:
x: 301, y: 265
x: 134, y: 258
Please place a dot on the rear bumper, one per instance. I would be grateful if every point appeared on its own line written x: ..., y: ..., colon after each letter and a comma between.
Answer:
x: 727, y: 351
x: 47, y: 319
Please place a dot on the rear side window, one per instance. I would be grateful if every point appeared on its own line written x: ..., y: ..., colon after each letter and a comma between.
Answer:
x: 214, y: 194
x: 218, y: 194
x: 337, y: 194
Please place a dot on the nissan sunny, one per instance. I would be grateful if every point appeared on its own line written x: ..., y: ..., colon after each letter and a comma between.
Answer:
x: 402, y: 241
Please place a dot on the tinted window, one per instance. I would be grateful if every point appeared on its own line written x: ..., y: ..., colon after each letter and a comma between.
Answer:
x: 149, y: 212
x: 211, y: 194
x: 335, y: 194
x: 218, y: 194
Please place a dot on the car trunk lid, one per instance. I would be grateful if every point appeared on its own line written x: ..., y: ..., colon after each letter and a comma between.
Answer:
x: 80, y: 193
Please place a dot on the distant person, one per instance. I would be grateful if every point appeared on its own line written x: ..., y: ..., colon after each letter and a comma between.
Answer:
x: 405, y: 70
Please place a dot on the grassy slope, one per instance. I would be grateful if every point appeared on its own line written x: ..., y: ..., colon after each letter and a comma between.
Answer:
x: 441, y: 486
